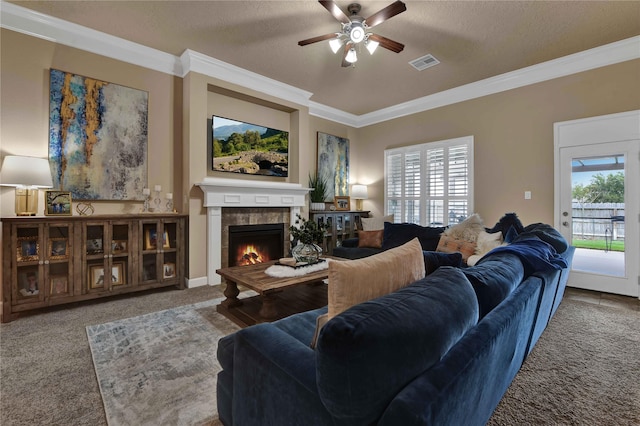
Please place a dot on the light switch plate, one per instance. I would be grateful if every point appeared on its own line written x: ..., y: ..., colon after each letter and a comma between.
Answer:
x: 527, y: 195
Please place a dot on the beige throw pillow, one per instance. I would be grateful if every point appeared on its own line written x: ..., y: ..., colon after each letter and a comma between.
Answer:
x: 375, y: 223
x: 355, y: 281
x: 467, y: 230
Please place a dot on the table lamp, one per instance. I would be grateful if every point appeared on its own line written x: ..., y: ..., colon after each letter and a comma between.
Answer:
x: 26, y: 174
x: 359, y: 193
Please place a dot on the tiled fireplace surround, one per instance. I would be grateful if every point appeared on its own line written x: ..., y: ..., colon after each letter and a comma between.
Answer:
x: 245, y: 202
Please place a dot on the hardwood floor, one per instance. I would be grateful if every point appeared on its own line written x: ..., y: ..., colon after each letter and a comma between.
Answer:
x: 605, y: 299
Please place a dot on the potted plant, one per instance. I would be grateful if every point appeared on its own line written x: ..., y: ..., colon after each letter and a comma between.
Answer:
x: 318, y: 193
x: 308, y: 235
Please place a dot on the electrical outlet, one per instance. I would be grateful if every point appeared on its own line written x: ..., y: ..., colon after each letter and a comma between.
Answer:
x: 527, y: 195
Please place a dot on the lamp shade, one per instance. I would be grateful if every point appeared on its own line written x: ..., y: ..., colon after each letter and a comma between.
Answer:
x: 359, y: 192
x: 30, y: 172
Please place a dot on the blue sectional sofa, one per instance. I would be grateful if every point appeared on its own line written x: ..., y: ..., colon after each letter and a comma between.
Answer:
x: 441, y: 351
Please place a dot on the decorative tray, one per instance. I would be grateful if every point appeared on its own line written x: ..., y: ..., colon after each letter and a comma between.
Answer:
x: 300, y: 264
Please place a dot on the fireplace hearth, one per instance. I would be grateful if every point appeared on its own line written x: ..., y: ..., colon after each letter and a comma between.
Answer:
x: 251, y: 244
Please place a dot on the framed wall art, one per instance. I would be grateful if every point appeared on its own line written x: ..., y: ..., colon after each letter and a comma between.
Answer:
x: 57, y: 203
x: 97, y: 137
x: 29, y: 282
x: 58, y: 284
x: 333, y: 164
x: 28, y: 249
x: 342, y: 203
x: 169, y: 270
x: 58, y: 248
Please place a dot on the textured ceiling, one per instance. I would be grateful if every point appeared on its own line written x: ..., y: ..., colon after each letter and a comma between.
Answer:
x: 473, y: 40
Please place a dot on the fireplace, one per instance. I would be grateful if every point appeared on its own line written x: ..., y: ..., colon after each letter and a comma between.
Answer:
x: 240, y: 202
x: 251, y: 244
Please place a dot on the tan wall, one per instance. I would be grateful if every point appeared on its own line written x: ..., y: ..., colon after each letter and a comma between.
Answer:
x: 513, y: 134
x: 25, y: 65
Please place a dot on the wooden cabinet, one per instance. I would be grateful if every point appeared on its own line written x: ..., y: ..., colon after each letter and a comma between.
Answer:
x: 340, y: 226
x: 51, y: 261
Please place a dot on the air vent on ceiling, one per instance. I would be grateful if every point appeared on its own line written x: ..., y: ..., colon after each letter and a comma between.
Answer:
x: 424, y: 62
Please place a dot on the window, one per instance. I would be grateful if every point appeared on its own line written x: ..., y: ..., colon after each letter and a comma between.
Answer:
x: 430, y: 183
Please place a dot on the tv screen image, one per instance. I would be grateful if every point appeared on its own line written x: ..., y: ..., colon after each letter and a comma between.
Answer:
x: 246, y: 148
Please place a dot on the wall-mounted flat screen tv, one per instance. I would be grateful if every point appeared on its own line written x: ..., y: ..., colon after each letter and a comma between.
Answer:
x: 246, y: 148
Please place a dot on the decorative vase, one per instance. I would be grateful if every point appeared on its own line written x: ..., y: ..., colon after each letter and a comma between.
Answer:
x: 308, y: 253
x: 318, y: 207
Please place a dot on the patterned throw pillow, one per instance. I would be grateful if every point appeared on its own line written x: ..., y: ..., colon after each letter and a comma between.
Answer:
x: 448, y: 244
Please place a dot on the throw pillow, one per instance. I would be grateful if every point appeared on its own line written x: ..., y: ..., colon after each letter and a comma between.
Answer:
x: 371, y: 239
x: 448, y: 244
x: 396, y: 234
x: 433, y: 260
x: 356, y: 281
x: 375, y: 223
x: 467, y: 230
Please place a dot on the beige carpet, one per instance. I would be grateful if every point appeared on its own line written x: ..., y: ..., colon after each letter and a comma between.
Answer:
x: 584, y: 369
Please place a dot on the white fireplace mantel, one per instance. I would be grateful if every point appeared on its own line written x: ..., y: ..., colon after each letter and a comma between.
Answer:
x: 219, y: 193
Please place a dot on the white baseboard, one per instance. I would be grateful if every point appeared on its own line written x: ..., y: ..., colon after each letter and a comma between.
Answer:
x: 196, y: 282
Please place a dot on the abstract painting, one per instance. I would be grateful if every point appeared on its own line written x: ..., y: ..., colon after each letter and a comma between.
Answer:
x: 97, y: 138
x: 333, y: 164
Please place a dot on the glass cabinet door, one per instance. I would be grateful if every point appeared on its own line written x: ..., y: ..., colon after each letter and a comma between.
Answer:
x: 28, y: 281
x: 58, y: 264
x: 120, y: 254
x: 169, y: 251
x: 98, y: 274
x: 150, y: 252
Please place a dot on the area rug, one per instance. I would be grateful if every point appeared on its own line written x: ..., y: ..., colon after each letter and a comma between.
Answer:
x: 584, y: 370
x: 160, y: 368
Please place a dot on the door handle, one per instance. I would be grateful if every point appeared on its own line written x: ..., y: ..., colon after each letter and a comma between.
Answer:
x: 565, y: 223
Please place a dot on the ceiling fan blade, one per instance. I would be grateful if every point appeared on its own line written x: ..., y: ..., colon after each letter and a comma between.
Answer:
x: 389, y: 44
x: 316, y: 39
x: 335, y: 11
x: 382, y: 15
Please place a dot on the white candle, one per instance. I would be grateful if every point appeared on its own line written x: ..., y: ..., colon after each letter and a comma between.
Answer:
x: 158, y: 188
x: 146, y: 191
x: 169, y: 196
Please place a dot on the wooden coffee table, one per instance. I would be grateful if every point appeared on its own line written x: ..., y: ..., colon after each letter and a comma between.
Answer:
x: 303, y: 293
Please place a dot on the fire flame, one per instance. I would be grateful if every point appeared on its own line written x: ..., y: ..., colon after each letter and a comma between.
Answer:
x: 250, y: 255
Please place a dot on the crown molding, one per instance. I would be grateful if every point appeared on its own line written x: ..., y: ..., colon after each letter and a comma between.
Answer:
x: 197, y: 62
x: 333, y: 114
x: 56, y: 30
x: 609, y: 54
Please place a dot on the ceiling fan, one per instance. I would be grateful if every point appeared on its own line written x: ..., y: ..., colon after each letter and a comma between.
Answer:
x: 355, y: 30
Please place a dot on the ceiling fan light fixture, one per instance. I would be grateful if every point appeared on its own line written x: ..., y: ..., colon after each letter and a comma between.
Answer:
x: 335, y: 44
x: 351, y: 57
x: 371, y: 46
x: 356, y: 34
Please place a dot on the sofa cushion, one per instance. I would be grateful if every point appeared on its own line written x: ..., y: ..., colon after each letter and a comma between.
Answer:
x: 370, y: 239
x: 448, y: 244
x: 466, y: 230
x: 375, y: 223
x: 433, y: 260
x: 356, y: 281
x: 368, y: 353
x: 494, y: 278
x: 396, y: 234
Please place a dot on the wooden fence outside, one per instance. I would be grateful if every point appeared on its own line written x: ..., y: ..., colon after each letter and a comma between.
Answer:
x: 598, y: 221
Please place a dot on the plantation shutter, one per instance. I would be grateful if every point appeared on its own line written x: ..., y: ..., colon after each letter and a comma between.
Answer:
x: 431, y: 183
